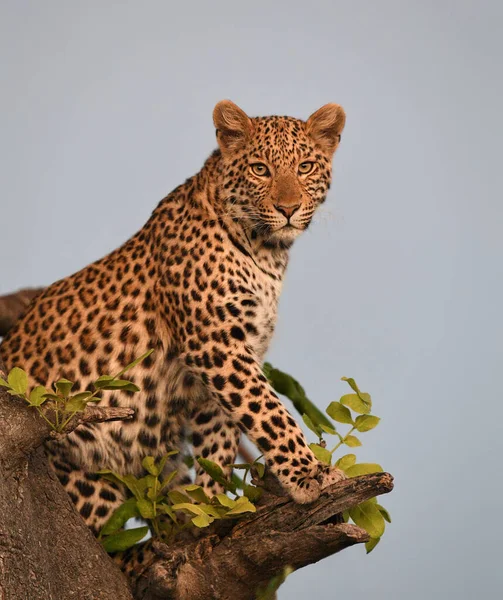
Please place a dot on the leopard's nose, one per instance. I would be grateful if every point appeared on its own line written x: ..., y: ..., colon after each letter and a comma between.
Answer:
x: 287, y: 209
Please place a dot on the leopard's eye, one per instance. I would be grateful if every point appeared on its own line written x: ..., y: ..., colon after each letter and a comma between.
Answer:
x: 260, y: 170
x: 306, y: 167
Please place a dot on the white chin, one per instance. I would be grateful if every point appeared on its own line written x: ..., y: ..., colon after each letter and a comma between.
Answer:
x: 284, y: 236
x: 287, y: 233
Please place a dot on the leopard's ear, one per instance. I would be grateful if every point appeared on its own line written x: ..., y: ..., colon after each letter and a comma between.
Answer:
x: 325, y: 126
x: 234, y: 126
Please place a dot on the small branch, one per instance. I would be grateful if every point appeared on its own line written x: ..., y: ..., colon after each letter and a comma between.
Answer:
x: 234, y: 561
x: 13, y: 305
x: 95, y: 414
x: 28, y: 430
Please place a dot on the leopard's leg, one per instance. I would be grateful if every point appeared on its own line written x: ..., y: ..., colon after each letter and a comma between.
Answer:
x: 244, y: 394
x: 215, y: 437
x: 94, y: 497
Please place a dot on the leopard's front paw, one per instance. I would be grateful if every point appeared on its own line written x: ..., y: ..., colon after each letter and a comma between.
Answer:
x: 329, y: 475
x: 304, y: 491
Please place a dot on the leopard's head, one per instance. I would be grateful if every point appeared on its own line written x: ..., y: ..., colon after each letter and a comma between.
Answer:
x: 275, y: 171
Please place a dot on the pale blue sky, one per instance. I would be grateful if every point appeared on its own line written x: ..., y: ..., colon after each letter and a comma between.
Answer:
x: 106, y: 106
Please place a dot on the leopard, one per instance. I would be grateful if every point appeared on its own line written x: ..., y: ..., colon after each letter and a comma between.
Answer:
x: 199, y: 284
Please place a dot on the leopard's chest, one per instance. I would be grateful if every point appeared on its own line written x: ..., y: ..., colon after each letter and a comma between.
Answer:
x: 261, y: 316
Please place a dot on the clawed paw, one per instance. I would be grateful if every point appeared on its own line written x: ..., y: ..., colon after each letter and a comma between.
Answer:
x: 308, y: 489
x: 305, y: 491
x: 330, y: 475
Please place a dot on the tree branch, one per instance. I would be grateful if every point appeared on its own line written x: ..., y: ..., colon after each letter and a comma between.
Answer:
x: 230, y: 564
x: 12, y: 306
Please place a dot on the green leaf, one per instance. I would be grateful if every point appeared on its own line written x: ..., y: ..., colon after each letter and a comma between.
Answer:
x: 177, y: 497
x: 118, y: 542
x: 322, y: 454
x: 51, y: 396
x: 216, y: 473
x: 339, y: 413
x: 352, y: 441
x: 118, y: 384
x: 79, y: 402
x: 352, y: 384
x: 148, y: 463
x: 242, y: 505
x: 130, y: 481
x: 76, y: 403
x: 355, y: 402
x: 202, y: 520
x: 363, y: 469
x: 259, y: 468
x: 196, y: 492
x: 205, y: 511
x: 330, y: 430
x: 110, y: 476
x: 267, y: 368
x: 236, y: 480
x: 3, y: 383
x: 285, y: 384
x: 364, y: 397
x: 164, y: 459
x: 37, y: 396
x: 288, y: 386
x: 384, y: 513
x: 367, y: 516
x: 168, y: 479
x: 346, y: 461
x: 64, y: 387
x: 366, y: 422
x: 225, y: 500
x: 212, y: 510
x: 18, y: 381
x: 135, y: 362
x: 252, y: 493
x: 82, y: 396
x: 166, y: 509
x: 103, y: 380
x: 240, y: 465
x: 310, y: 425
x: 120, y: 516
x: 371, y: 544
x: 146, y: 508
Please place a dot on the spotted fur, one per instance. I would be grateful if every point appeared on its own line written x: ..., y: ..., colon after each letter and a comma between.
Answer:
x: 200, y: 284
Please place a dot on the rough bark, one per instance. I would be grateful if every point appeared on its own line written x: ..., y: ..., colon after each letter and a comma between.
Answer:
x: 48, y: 553
x: 46, y: 550
x: 230, y: 564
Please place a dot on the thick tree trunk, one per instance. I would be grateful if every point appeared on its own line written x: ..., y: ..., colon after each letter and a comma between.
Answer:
x: 46, y: 550
x: 48, y: 553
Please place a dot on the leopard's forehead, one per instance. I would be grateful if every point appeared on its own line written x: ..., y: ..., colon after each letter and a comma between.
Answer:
x: 276, y: 138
